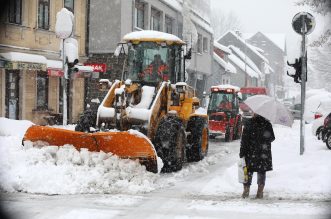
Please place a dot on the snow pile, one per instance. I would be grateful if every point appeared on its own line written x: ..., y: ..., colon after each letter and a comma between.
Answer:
x: 152, y: 35
x: 13, y: 127
x: 65, y: 170
x: 294, y: 176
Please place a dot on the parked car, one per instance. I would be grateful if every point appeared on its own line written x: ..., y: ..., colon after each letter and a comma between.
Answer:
x: 295, y: 110
x: 317, y: 127
x: 317, y: 106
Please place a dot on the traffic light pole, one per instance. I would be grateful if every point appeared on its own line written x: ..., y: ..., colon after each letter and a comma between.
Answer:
x: 64, y: 87
x: 303, y: 86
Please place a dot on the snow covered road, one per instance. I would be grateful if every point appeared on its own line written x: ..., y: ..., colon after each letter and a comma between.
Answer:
x: 298, y: 187
x: 181, y: 197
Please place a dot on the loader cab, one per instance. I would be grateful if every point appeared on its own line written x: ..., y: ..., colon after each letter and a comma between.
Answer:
x: 153, y: 62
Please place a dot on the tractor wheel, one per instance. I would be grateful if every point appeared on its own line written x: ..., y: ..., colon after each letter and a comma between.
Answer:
x: 169, y: 143
x: 227, y: 134
x: 238, y: 130
x: 198, y: 139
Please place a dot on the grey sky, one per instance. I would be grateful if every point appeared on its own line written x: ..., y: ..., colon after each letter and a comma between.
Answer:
x: 267, y: 16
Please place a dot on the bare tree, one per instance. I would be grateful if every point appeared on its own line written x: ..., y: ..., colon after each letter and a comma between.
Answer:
x: 222, y: 22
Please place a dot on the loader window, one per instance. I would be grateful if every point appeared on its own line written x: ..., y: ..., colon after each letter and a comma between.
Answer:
x: 150, y: 62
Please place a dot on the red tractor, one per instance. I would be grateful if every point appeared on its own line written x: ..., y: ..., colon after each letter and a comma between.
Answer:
x: 223, y: 112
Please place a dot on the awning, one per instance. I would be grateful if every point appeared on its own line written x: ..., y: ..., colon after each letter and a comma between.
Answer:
x: 24, y: 61
x: 54, y: 68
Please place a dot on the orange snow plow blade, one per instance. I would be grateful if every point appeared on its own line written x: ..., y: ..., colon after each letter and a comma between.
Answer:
x: 123, y: 144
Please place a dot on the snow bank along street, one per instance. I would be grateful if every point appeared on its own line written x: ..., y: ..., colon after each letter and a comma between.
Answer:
x: 296, y: 183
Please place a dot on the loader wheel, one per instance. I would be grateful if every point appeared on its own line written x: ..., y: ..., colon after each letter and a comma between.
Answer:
x: 169, y: 143
x: 198, y: 139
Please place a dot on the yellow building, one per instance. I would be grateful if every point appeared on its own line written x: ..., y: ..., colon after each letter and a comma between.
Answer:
x: 30, y: 64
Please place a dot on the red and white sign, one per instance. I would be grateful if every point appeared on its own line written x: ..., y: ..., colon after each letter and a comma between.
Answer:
x: 97, y: 67
x: 55, y: 72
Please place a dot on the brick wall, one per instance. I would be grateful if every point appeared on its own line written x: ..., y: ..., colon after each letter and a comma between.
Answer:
x: 28, y: 96
x: 77, y: 99
x: 53, y: 94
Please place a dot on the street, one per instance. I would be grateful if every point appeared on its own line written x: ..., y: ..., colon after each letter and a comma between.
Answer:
x: 182, y: 195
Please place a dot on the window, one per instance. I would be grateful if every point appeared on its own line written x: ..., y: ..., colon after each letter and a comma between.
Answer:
x: 205, y: 44
x: 42, y: 90
x: 43, y: 14
x: 199, y: 43
x: 139, y: 14
x: 168, y: 24
x: 15, y: 12
x: 155, y: 20
x: 70, y: 5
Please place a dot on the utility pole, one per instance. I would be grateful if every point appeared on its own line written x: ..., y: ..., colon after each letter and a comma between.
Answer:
x: 64, y: 30
x: 303, y: 23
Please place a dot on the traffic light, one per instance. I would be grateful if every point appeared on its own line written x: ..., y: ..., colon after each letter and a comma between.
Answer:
x: 297, y: 65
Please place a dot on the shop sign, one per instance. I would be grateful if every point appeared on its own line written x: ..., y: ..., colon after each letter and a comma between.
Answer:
x: 81, y: 74
x: 97, y: 67
x: 55, y: 72
x: 25, y: 66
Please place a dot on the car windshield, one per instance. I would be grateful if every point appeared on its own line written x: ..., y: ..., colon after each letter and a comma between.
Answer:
x: 245, y: 96
x: 151, y: 62
x: 220, y: 101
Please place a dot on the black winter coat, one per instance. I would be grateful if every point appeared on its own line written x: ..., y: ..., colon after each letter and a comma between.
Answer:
x: 256, y: 144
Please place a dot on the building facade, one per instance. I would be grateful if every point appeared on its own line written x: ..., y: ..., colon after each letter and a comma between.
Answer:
x: 275, y: 53
x: 31, y: 72
x: 200, y: 68
x: 117, y: 18
x: 258, y: 63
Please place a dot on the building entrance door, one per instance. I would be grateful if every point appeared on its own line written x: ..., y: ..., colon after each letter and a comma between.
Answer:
x: 12, y: 94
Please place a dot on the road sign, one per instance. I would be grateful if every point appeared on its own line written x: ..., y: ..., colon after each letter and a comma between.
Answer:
x: 303, y: 23
x: 64, y: 23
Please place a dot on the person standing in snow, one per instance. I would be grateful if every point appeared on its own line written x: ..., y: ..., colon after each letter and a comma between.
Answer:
x: 255, y: 147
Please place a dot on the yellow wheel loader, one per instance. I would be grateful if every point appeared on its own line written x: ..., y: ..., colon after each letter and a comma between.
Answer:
x: 150, y: 112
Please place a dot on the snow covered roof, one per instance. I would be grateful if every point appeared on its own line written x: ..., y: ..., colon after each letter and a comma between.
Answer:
x: 249, y: 46
x: 238, y: 62
x: 227, y: 86
x: 226, y: 65
x: 54, y: 64
x: 202, y: 23
x: 245, y: 58
x: 174, y: 4
x: 152, y: 36
x: 222, y: 47
x: 24, y: 57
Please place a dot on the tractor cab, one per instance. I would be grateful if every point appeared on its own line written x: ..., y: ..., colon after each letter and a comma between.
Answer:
x: 223, y: 112
x: 224, y: 99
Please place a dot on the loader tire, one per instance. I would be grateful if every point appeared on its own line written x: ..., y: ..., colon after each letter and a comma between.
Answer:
x: 169, y: 143
x: 198, y: 139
